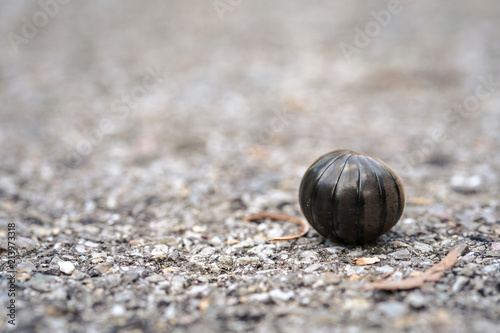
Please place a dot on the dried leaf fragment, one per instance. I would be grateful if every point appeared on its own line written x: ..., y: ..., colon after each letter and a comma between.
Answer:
x: 296, y: 220
x: 366, y: 261
x: 433, y: 274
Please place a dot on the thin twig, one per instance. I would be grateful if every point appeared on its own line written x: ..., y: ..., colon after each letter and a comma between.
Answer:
x: 433, y: 274
x: 296, y: 220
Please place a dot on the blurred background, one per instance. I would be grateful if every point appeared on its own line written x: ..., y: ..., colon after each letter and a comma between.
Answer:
x: 126, y: 125
x: 107, y: 104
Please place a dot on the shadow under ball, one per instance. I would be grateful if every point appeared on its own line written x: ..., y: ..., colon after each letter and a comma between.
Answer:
x: 350, y: 197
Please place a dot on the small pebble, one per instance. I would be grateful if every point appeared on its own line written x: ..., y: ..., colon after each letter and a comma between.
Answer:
x: 330, y: 278
x: 262, y: 297
x: 468, y: 270
x: 280, y: 295
x: 384, y: 269
x: 25, y: 267
x: 174, y: 255
x: 26, y: 245
x: 43, y: 283
x: 308, y: 257
x: 77, y: 275
x: 401, y: 254
x: 416, y: 300
x: 393, y: 309
x: 491, y: 268
x: 225, y: 259
x: 247, y: 261
x: 197, y: 290
x: 469, y: 257
x: 422, y: 247
x: 80, y: 248
x: 177, y: 284
x: 466, y: 184
x: 91, y: 244
x: 207, y: 252
x: 312, y: 268
x: 155, y: 278
x: 66, y: 267
x: 459, y: 283
x: 215, y: 241
x: 117, y: 310
x: 335, y: 249
x: 105, y: 267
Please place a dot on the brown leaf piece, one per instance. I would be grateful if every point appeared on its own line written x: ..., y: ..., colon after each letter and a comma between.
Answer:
x: 366, y: 261
x: 433, y: 274
x: 296, y: 220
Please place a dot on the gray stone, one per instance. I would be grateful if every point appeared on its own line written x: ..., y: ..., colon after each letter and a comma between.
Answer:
x: 247, y: 261
x: 132, y: 275
x: 80, y: 248
x: 216, y: 241
x: 91, y: 244
x: 25, y: 267
x: 227, y: 260
x: 313, y: 268
x: 330, y: 278
x: 26, y: 245
x: 469, y: 257
x: 308, y: 257
x: 174, y: 255
x: 105, y: 267
x: 422, y: 247
x: 207, y: 252
x: 416, y: 300
x: 469, y: 270
x: 77, y: 275
x: 386, y: 269
x: 491, y: 268
x: 459, y: 283
x: 262, y: 297
x: 155, y: 278
x: 177, y: 284
x: 478, y: 283
x: 277, y: 294
x: 401, y: 254
x: 335, y: 249
x: 198, y: 290
x: 44, y: 283
x: 393, y: 309
x: 467, y: 184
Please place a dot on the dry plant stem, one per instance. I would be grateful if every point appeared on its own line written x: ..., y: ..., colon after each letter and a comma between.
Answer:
x: 433, y: 274
x: 296, y: 220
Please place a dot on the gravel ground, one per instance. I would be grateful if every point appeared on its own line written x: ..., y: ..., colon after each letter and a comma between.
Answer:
x: 135, y: 139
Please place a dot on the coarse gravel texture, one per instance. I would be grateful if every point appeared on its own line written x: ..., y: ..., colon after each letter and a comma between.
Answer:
x: 136, y: 136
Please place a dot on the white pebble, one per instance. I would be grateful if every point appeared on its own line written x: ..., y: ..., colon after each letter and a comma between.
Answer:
x: 248, y: 261
x: 280, y: 295
x: 66, y: 267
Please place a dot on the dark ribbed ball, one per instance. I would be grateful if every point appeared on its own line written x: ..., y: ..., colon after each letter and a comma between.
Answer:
x: 350, y: 197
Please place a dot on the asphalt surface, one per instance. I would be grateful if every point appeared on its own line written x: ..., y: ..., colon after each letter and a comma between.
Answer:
x: 135, y: 138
